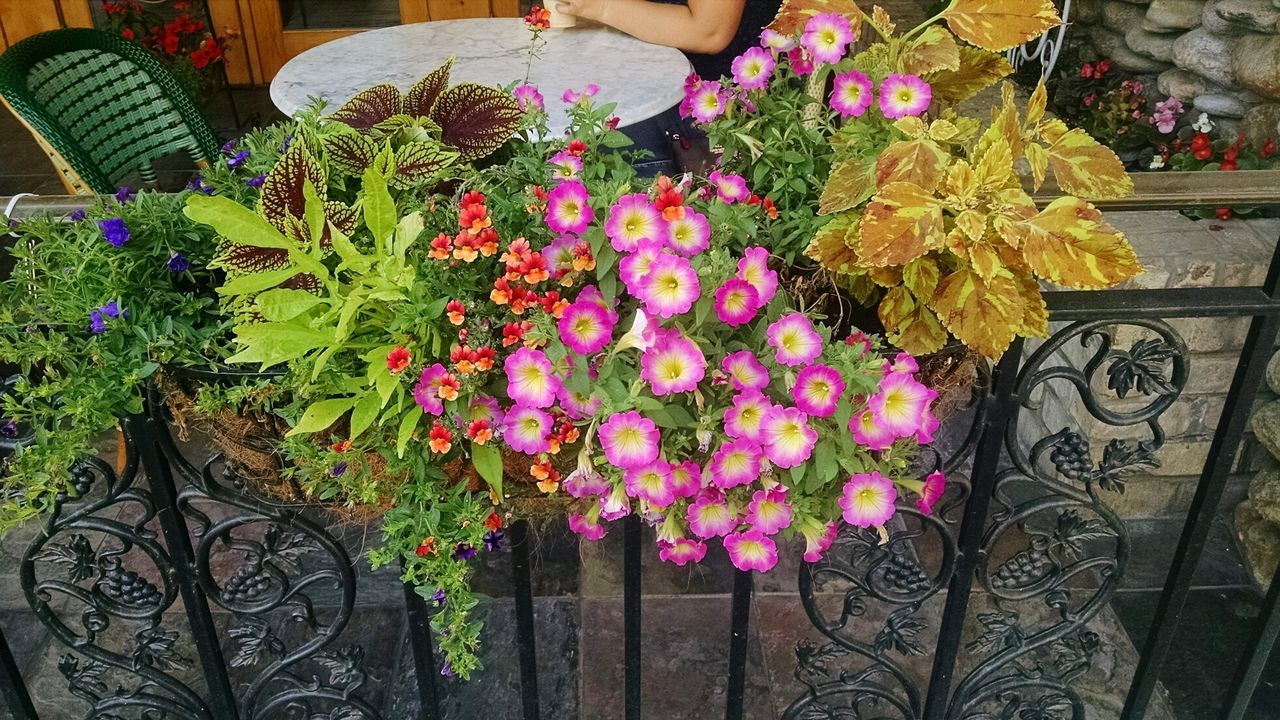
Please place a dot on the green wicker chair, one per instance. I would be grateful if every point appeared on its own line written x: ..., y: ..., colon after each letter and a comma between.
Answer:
x: 102, y: 108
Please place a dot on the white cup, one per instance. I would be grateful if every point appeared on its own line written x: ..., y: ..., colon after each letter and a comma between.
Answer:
x: 559, y: 19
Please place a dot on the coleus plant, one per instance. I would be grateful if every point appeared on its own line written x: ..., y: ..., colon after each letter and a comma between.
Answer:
x: 922, y: 208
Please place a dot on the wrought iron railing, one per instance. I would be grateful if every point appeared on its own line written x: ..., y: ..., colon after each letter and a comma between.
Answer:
x: 1024, y: 543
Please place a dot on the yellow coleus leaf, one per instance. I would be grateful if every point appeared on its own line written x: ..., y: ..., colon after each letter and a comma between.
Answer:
x: 972, y: 223
x: 985, y: 260
x: 979, y: 69
x: 921, y: 162
x: 909, y: 324
x: 1039, y: 100
x: 1000, y: 24
x: 901, y: 223
x: 880, y: 20
x: 859, y: 286
x: 793, y: 14
x: 885, y: 276
x: 1038, y: 159
x: 993, y: 163
x: 944, y: 131
x: 911, y: 126
x: 961, y: 183
x: 1070, y: 244
x: 1083, y: 166
x: 1035, y: 314
x: 850, y: 183
x: 932, y: 50
x: 835, y: 247
x: 983, y: 315
x: 921, y: 276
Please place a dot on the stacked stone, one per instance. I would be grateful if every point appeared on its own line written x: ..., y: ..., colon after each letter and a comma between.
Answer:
x: 1221, y: 57
x: 1258, y: 518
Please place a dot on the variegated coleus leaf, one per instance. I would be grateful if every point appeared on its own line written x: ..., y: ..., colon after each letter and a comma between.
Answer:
x: 370, y: 107
x: 282, y: 190
x: 476, y: 119
x: 422, y: 97
x: 421, y: 162
x: 351, y: 153
x: 250, y: 259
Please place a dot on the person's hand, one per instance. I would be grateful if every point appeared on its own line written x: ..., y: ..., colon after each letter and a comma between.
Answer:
x: 588, y: 9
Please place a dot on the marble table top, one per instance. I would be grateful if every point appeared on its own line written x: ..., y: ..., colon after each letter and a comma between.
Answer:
x: 642, y: 78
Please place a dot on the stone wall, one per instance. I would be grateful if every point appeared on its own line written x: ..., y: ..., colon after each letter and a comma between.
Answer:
x: 1220, y: 56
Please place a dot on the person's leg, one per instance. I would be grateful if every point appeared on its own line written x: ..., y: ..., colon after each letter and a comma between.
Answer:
x: 654, y: 136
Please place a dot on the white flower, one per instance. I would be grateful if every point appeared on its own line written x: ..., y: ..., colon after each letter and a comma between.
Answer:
x: 636, y: 337
x: 1157, y: 162
x: 1203, y: 123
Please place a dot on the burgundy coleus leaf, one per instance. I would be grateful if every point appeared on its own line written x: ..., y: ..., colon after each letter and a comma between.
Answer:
x: 420, y: 162
x: 343, y: 217
x: 351, y: 153
x: 422, y: 96
x: 370, y: 107
x: 249, y: 259
x: 282, y: 190
x: 476, y: 119
x: 303, y: 281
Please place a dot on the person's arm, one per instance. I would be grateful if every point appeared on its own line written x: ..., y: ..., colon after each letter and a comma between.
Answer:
x: 702, y: 26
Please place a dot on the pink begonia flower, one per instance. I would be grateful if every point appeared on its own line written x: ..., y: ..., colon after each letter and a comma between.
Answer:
x: 737, y: 462
x: 737, y: 302
x: 673, y: 364
x: 569, y: 208
x: 425, y: 392
x: 686, y: 479
x: 670, y: 287
x: 565, y: 165
x: 585, y: 327
x: 709, y: 516
x: 935, y: 483
x: 769, y: 511
x: 682, y: 551
x: 616, y: 504
x: 786, y: 436
x: 776, y: 41
x: 867, y: 499
x: 629, y: 439
x: 525, y: 430
x: 795, y: 341
x: 869, y: 432
x: 530, y: 380
x: 817, y: 543
x: 651, y: 481
x: 730, y: 188
x: 571, y: 97
x: 689, y: 235
x: 752, y: 69
x: 744, y: 418
x: 851, y: 94
x: 633, y: 268
x: 904, y: 95
x: 528, y: 98
x: 745, y: 371
x: 633, y: 219
x: 818, y: 390
x: 751, y: 550
x: 587, y: 527
x: 753, y: 267
x: 827, y: 36
x: 901, y: 404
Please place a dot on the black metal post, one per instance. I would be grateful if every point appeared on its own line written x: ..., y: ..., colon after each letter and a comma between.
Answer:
x: 1257, y: 654
x: 526, y: 638
x: 12, y: 689
x: 424, y: 653
x: 969, y: 542
x: 222, y: 701
x: 1258, y: 346
x: 631, y: 616
x: 740, y: 622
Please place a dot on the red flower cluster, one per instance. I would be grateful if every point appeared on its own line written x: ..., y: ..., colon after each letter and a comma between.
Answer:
x: 1096, y: 72
x: 476, y: 236
x: 1201, y: 148
x: 538, y: 19
x: 525, y: 268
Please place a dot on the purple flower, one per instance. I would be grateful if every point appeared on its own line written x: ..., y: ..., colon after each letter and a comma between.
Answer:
x: 493, y: 540
x: 339, y: 470
x: 464, y: 552
x: 112, y: 310
x: 238, y: 159
x: 446, y: 670
x: 197, y: 183
x: 230, y: 147
x: 287, y: 142
x: 256, y: 181
x: 76, y: 215
x: 97, y: 324
x: 123, y: 195
x: 439, y: 598
x: 9, y: 430
x: 178, y: 263
x: 115, y: 231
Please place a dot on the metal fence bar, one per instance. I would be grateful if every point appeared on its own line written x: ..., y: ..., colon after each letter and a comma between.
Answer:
x: 631, y: 616
x: 740, y: 624
x: 12, y: 689
x: 526, y: 640
x: 1258, y: 347
x: 424, y: 653
x: 1257, y: 654
x: 969, y: 542
x: 222, y: 701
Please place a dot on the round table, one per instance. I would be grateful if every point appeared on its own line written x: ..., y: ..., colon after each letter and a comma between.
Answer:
x: 642, y: 78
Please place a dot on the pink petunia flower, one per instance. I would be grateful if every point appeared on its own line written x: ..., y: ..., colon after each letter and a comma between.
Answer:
x: 743, y: 419
x: 585, y: 482
x: 682, y: 551
x: 827, y: 36
x: 673, y: 364
x: 529, y: 378
x: 426, y: 391
x: 565, y: 165
x: 686, y: 479
x: 709, y: 516
x: 737, y: 462
x: 929, y: 425
x: 737, y: 302
x: 751, y: 69
x: 817, y: 543
x: 525, y: 430
x: 776, y: 41
x: 585, y: 327
x: 786, y: 436
x: 633, y: 268
x: 587, y: 527
x: 751, y: 550
x: 569, y: 208
x: 867, y: 499
x: 633, y: 219
x: 730, y: 188
x: 629, y: 439
x: 689, y: 235
x: 577, y: 406
x: 801, y: 61
x: 651, y: 481
x: 818, y: 390
x: 869, y: 432
x: 902, y: 363
x: 935, y: 483
x: 485, y: 407
x: 670, y: 287
x: 794, y: 340
x: 571, y: 97
x: 745, y: 371
x: 903, y: 95
x: 707, y: 102
x: 615, y: 505
x: 528, y: 98
x: 901, y: 404
x: 769, y: 511
x: 851, y: 93
x: 753, y: 267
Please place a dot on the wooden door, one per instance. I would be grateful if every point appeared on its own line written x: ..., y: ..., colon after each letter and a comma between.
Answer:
x: 20, y: 19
